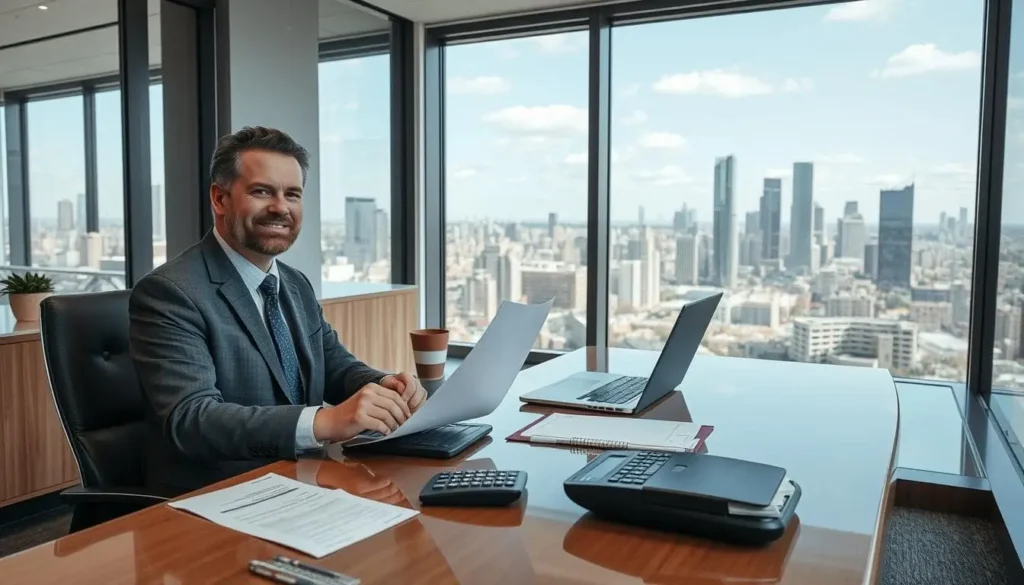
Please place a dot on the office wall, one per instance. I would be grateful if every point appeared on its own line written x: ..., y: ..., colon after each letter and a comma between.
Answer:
x: 267, y: 75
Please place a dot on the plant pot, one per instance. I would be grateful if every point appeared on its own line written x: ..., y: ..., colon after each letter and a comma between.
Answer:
x: 25, y: 307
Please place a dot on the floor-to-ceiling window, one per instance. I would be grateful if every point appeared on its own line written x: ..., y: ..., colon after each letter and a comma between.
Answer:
x: 56, y: 184
x: 516, y: 183
x: 817, y: 165
x: 355, y: 170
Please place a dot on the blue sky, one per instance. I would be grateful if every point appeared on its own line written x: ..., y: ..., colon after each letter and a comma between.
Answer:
x: 876, y: 93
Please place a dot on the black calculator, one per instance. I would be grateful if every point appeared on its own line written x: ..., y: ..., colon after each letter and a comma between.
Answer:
x: 473, y: 487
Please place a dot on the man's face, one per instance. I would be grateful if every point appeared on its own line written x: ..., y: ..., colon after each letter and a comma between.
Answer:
x: 262, y: 210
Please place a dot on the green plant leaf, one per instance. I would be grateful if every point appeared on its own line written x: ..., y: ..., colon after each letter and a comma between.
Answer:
x: 28, y: 283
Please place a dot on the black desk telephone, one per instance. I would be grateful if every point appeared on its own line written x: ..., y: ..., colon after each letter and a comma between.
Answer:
x: 684, y: 492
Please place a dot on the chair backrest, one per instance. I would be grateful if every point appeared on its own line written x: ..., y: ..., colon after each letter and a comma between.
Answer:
x: 94, y: 384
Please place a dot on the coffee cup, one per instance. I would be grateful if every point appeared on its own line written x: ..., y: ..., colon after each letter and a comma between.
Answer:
x: 430, y: 352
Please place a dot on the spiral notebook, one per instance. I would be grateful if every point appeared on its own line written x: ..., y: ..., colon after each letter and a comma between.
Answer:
x: 604, y: 432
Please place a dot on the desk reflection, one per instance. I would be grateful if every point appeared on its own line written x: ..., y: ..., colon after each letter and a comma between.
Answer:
x: 670, y: 559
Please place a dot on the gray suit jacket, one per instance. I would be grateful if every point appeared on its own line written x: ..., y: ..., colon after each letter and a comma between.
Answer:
x: 210, y: 372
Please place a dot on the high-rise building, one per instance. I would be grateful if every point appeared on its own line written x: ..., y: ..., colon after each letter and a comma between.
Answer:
x: 360, y: 231
x: 801, y: 218
x: 852, y: 237
x: 158, y: 212
x: 895, y: 237
x: 481, y: 296
x: 552, y: 224
x: 631, y: 284
x: 90, y: 250
x: 65, y: 215
x: 724, y: 227
x: 771, y: 218
x: 871, y: 260
x: 81, y: 219
x: 820, y: 233
x: 382, y: 236
x: 506, y: 271
x: 687, y: 260
x: 962, y: 224
x: 753, y: 223
x: 684, y: 219
x: 640, y: 216
x: 850, y: 209
x: 650, y: 264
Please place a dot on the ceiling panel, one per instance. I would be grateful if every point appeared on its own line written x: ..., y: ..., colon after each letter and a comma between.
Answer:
x: 342, y: 19
x: 438, y: 11
x: 22, y: 20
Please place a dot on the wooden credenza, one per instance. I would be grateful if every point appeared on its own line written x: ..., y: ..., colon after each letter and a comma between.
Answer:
x: 372, y: 320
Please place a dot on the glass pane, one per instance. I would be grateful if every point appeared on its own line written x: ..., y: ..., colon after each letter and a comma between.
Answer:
x: 355, y: 171
x: 110, y: 174
x: 816, y: 188
x: 516, y: 183
x: 156, y: 153
x: 1008, y: 353
x: 56, y: 185
x: 4, y: 251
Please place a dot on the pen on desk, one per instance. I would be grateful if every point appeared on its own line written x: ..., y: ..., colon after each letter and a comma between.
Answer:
x: 311, y: 568
x: 269, y: 572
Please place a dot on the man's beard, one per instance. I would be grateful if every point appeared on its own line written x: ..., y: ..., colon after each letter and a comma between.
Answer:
x: 267, y: 245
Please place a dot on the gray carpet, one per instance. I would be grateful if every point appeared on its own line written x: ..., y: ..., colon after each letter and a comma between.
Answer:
x: 929, y: 548
x: 922, y: 548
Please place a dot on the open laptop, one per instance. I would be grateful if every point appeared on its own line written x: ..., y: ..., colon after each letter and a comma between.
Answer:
x: 631, y: 394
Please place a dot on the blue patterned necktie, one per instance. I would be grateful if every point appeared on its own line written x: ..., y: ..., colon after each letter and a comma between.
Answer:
x: 282, y: 337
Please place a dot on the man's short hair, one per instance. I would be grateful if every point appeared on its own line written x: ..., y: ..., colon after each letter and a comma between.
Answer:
x: 224, y: 163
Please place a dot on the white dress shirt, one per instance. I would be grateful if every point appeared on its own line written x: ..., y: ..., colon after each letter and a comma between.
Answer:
x: 253, y: 276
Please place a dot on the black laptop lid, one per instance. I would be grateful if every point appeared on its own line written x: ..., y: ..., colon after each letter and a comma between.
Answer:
x: 680, y: 347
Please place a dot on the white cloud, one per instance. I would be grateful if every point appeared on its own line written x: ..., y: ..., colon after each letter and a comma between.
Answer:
x: 662, y: 140
x: 631, y: 90
x: 557, y: 43
x: 634, y: 118
x: 927, y: 58
x: 483, y: 85
x: 459, y: 173
x: 780, y: 173
x: 553, y: 119
x: 842, y: 158
x: 792, y: 85
x: 577, y: 158
x: 860, y: 11
x: 665, y: 176
x: 712, y: 82
x: 891, y: 180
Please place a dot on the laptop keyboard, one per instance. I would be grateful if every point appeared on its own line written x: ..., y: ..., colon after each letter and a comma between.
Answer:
x: 619, y: 391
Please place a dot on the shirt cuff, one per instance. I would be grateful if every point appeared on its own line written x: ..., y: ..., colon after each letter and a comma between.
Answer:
x: 305, y: 440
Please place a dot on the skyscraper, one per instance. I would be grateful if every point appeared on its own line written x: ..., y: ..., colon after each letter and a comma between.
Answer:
x: 753, y: 224
x: 801, y: 218
x: 80, y: 217
x: 850, y: 209
x: 771, y: 218
x: 852, y: 237
x: 687, y: 260
x: 361, y: 231
x: 552, y: 223
x: 724, y: 226
x: 962, y: 225
x: 650, y: 266
x: 820, y: 233
x: 895, y: 237
x: 65, y: 215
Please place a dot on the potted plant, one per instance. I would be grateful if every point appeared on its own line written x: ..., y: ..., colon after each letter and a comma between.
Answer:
x: 26, y: 292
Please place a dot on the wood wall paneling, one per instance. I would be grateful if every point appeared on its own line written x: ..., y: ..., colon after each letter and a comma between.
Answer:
x: 375, y: 328
x: 35, y: 455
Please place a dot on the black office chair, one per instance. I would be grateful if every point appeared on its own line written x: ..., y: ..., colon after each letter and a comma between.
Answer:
x: 100, y: 403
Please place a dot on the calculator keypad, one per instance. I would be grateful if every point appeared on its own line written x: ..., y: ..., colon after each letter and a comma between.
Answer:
x: 640, y: 468
x: 474, y: 479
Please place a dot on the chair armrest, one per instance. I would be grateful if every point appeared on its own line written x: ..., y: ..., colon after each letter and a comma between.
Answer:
x: 130, y: 496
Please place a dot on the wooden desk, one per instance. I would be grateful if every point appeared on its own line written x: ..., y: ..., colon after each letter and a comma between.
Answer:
x: 834, y: 428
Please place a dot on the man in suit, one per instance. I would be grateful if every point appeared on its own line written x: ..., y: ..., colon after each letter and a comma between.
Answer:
x: 233, y: 353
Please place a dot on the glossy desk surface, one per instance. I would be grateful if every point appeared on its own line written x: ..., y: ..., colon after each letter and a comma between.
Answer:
x: 834, y: 428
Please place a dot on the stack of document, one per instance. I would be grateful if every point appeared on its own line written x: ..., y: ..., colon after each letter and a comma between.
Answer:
x: 772, y: 510
x: 602, y: 432
x: 307, y: 518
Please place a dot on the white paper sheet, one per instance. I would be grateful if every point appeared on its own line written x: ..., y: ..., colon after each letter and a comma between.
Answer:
x: 622, y: 433
x: 308, y: 518
x: 483, y: 379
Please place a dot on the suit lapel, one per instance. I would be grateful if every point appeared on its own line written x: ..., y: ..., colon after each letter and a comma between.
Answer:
x: 295, y: 314
x: 239, y: 299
